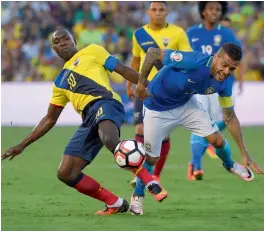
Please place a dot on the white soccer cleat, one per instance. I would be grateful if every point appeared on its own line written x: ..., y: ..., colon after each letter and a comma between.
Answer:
x: 136, y: 205
x: 244, y: 173
x: 133, y: 182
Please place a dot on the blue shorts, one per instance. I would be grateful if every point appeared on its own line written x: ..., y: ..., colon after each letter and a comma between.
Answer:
x: 86, y: 142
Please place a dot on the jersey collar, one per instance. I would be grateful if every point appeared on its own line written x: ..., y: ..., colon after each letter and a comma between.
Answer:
x: 218, y: 26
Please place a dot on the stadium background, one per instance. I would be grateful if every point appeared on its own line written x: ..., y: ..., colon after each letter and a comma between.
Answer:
x: 32, y: 198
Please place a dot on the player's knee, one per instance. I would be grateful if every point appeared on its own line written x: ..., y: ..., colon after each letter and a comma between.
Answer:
x: 140, y: 129
x: 151, y: 160
x: 218, y: 140
x: 66, y: 175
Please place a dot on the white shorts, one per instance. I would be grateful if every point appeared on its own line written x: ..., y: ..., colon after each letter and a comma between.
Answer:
x: 158, y: 125
x: 211, y: 104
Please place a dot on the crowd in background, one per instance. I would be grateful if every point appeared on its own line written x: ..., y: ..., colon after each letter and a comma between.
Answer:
x: 27, y: 26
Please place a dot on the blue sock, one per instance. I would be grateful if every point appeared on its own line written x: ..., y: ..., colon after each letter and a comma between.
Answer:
x: 221, y: 125
x: 198, y: 147
x: 140, y: 186
x: 225, y: 155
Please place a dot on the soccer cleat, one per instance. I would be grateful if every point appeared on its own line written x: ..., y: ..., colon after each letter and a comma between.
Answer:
x: 194, y: 174
x: 190, y: 172
x: 110, y: 211
x: 211, y: 151
x: 158, y: 192
x: 198, y: 174
x: 133, y: 182
x: 242, y: 172
x: 136, y: 205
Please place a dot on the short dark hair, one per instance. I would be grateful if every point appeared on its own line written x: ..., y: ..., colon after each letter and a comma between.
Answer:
x: 202, y: 5
x: 164, y: 2
x: 232, y: 50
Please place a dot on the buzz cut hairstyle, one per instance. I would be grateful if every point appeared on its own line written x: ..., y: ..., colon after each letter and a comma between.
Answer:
x: 202, y: 5
x: 164, y: 2
x: 232, y: 50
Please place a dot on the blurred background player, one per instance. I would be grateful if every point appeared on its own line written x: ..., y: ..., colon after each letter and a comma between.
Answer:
x: 208, y: 37
x: 83, y: 81
x: 158, y: 33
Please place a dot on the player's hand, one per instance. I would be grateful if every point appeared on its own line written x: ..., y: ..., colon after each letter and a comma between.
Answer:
x: 247, y: 161
x: 130, y: 91
x: 13, y: 152
x: 142, y: 92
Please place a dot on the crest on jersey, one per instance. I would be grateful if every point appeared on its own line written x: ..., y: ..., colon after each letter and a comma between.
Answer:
x: 209, y: 90
x: 217, y: 40
x: 76, y: 62
x: 165, y: 41
x: 176, y: 56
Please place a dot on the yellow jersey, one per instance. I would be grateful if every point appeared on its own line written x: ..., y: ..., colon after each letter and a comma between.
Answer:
x: 169, y: 37
x: 84, y: 78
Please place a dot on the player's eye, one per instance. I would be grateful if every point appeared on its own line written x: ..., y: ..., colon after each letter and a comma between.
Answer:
x: 224, y: 65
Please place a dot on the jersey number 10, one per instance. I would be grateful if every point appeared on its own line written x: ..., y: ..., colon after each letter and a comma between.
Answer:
x: 71, y: 81
x: 207, y: 49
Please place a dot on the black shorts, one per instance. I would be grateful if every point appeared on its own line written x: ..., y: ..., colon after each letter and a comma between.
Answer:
x: 86, y: 142
x: 138, y: 111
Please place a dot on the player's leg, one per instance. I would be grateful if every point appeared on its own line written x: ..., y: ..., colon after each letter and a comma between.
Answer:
x: 165, y: 147
x: 198, y: 145
x: 216, y: 113
x: 138, y: 120
x: 199, y: 122
x: 81, y: 150
x: 157, y: 126
x: 109, y: 123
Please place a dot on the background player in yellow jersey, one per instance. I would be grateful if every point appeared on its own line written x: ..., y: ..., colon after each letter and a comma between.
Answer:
x: 158, y: 34
x: 84, y: 82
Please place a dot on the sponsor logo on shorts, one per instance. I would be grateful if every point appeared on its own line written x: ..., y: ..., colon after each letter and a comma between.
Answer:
x: 176, y: 56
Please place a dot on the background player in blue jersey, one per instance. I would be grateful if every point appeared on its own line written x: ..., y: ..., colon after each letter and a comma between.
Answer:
x: 207, y: 38
x: 173, y: 104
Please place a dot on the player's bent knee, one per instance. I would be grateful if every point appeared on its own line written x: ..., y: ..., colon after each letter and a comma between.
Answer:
x: 216, y: 139
x: 66, y: 175
x: 140, y: 129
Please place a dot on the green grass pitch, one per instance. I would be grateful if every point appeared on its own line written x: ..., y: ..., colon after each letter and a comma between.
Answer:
x: 34, y: 200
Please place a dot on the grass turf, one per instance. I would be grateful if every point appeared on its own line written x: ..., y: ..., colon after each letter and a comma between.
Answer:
x: 33, y: 198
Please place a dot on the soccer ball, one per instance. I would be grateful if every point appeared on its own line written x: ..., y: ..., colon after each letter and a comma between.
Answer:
x: 129, y: 154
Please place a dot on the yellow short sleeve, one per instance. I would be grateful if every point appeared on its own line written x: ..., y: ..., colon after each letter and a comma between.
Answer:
x: 58, y: 97
x: 226, y: 102
x: 183, y: 42
x: 136, y: 48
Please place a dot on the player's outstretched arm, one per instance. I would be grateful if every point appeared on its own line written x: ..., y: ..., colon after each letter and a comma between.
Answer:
x: 128, y: 73
x: 234, y: 128
x: 40, y: 130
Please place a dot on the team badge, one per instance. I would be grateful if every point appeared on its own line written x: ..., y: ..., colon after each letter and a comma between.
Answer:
x: 76, y: 62
x: 165, y: 41
x: 176, y: 56
x: 210, y: 90
x: 148, y: 146
x: 217, y: 40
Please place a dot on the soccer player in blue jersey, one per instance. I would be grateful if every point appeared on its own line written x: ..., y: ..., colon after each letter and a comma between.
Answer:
x: 173, y: 104
x: 207, y: 38
x: 84, y: 82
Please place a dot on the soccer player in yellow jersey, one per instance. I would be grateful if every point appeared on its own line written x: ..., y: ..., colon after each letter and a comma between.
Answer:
x: 84, y: 82
x: 158, y: 34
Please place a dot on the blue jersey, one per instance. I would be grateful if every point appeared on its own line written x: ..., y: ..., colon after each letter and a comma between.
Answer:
x: 209, y: 41
x: 185, y: 74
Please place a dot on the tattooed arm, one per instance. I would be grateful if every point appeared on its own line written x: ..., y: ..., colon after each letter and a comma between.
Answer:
x: 234, y: 128
x: 152, y: 56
